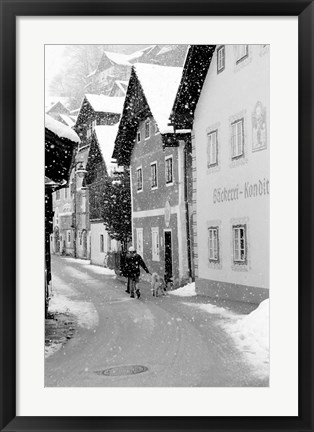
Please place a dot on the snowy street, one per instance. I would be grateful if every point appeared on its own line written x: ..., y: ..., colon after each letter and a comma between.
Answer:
x: 180, y: 340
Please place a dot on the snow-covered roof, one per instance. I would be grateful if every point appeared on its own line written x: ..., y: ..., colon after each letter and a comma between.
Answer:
x: 106, y: 136
x: 123, y: 85
x: 67, y: 119
x: 138, y: 54
x: 103, y: 103
x: 160, y: 85
x: 54, y: 105
x: 164, y: 50
x: 118, y: 58
x: 50, y: 101
x: 92, y: 73
x: 60, y: 129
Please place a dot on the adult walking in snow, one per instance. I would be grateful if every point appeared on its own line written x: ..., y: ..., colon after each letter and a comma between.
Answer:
x: 133, y: 262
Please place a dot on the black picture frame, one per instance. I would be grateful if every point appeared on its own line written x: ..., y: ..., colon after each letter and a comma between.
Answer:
x: 9, y: 10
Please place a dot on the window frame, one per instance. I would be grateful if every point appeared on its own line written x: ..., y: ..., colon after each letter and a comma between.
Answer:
x: 140, y: 250
x: 68, y: 237
x: 154, y: 186
x: 56, y: 215
x: 237, y: 228
x: 169, y: 183
x: 238, y: 155
x: 88, y: 132
x: 155, y: 246
x: 101, y: 243
x: 58, y: 195
x: 140, y: 168
x: 219, y: 50
x: 243, y: 56
x: 147, y: 128
x: 138, y: 136
x: 83, y: 203
x: 210, y: 134
x: 215, y: 247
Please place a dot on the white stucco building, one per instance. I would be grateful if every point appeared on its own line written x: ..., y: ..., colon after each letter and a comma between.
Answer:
x: 231, y: 167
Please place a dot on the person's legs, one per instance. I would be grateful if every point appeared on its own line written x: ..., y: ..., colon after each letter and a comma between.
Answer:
x: 132, y: 285
x: 137, y: 290
x: 128, y: 285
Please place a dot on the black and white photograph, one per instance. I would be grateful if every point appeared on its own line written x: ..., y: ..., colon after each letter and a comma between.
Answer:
x: 157, y: 215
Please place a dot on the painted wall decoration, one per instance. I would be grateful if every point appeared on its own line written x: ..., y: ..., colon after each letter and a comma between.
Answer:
x: 259, y: 138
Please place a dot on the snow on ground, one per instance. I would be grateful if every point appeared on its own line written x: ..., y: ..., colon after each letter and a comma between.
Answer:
x: 102, y: 270
x: 52, y: 348
x: 250, y: 333
x: 61, y: 301
x: 186, y: 291
x: 93, y: 268
x: 77, y: 260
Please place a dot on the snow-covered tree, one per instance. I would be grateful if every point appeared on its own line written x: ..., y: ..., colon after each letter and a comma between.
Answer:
x: 116, y: 206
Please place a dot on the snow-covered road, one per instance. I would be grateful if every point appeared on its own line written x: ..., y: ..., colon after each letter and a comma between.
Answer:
x: 178, y: 340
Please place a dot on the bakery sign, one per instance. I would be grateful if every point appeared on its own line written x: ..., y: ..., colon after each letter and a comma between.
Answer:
x: 246, y: 190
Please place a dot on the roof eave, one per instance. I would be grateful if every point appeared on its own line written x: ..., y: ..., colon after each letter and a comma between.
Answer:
x: 182, y: 114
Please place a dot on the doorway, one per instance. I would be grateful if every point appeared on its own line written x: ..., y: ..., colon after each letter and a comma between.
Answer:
x: 84, y: 234
x: 56, y: 240
x: 168, y: 256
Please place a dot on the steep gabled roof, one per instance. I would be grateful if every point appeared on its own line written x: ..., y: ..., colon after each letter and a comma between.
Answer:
x: 195, y: 69
x: 57, y: 107
x: 151, y: 92
x: 106, y: 136
x: 160, y: 85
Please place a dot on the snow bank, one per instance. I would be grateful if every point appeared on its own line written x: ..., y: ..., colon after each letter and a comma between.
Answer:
x: 250, y: 333
x: 77, y: 260
x: 160, y: 85
x: 102, y: 270
x: 93, y: 268
x: 186, y: 291
x: 52, y: 348
x: 61, y: 301
x: 60, y: 129
x: 212, y: 309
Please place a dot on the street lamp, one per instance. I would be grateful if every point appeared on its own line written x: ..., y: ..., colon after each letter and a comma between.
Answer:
x: 79, y: 170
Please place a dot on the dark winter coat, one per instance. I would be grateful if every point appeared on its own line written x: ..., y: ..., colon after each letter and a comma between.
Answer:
x: 133, y: 262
